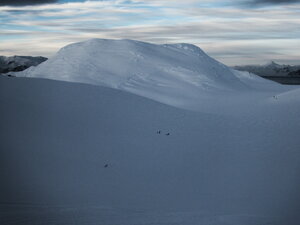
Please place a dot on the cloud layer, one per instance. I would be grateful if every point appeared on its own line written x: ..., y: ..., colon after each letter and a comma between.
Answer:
x: 232, y: 34
x: 263, y: 3
x: 275, y: 1
x: 25, y: 2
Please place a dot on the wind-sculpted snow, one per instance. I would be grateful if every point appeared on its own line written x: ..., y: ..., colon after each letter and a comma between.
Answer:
x: 175, y: 74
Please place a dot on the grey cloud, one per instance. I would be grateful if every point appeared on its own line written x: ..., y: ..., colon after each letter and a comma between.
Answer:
x: 231, y: 34
x: 270, y: 2
x: 276, y: 1
x: 25, y: 2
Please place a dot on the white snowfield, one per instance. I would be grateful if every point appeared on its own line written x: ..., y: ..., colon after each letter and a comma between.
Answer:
x: 112, y: 154
x: 180, y: 75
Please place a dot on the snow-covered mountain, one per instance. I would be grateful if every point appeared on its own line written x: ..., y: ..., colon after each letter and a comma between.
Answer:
x: 271, y: 69
x: 111, y: 153
x: 174, y: 74
x: 19, y: 63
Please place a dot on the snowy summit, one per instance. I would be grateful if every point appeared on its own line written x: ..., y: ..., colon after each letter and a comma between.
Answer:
x: 174, y: 74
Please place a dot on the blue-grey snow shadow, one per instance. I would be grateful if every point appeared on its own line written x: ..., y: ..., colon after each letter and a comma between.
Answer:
x: 56, y: 139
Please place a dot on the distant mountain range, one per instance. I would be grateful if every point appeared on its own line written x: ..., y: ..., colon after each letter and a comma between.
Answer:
x: 271, y: 69
x: 19, y: 63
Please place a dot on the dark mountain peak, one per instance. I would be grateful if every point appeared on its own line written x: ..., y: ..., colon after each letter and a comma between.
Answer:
x: 18, y: 63
x: 271, y: 69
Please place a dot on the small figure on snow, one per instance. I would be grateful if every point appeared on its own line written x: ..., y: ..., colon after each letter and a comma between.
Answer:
x: 106, y: 165
x: 158, y: 132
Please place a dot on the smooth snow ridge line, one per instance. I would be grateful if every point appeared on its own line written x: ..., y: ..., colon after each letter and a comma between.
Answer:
x: 180, y: 75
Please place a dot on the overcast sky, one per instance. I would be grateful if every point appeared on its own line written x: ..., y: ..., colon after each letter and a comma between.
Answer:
x: 234, y: 32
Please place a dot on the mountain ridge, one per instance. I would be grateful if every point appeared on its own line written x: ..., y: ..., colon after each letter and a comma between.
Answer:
x: 180, y: 75
x: 271, y: 69
x: 19, y: 63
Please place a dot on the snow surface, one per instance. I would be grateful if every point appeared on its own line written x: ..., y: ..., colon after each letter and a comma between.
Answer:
x: 180, y: 75
x: 74, y: 153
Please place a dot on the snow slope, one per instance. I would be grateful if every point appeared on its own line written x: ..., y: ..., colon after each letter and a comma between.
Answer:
x: 112, y: 154
x: 180, y: 75
x: 57, y: 137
